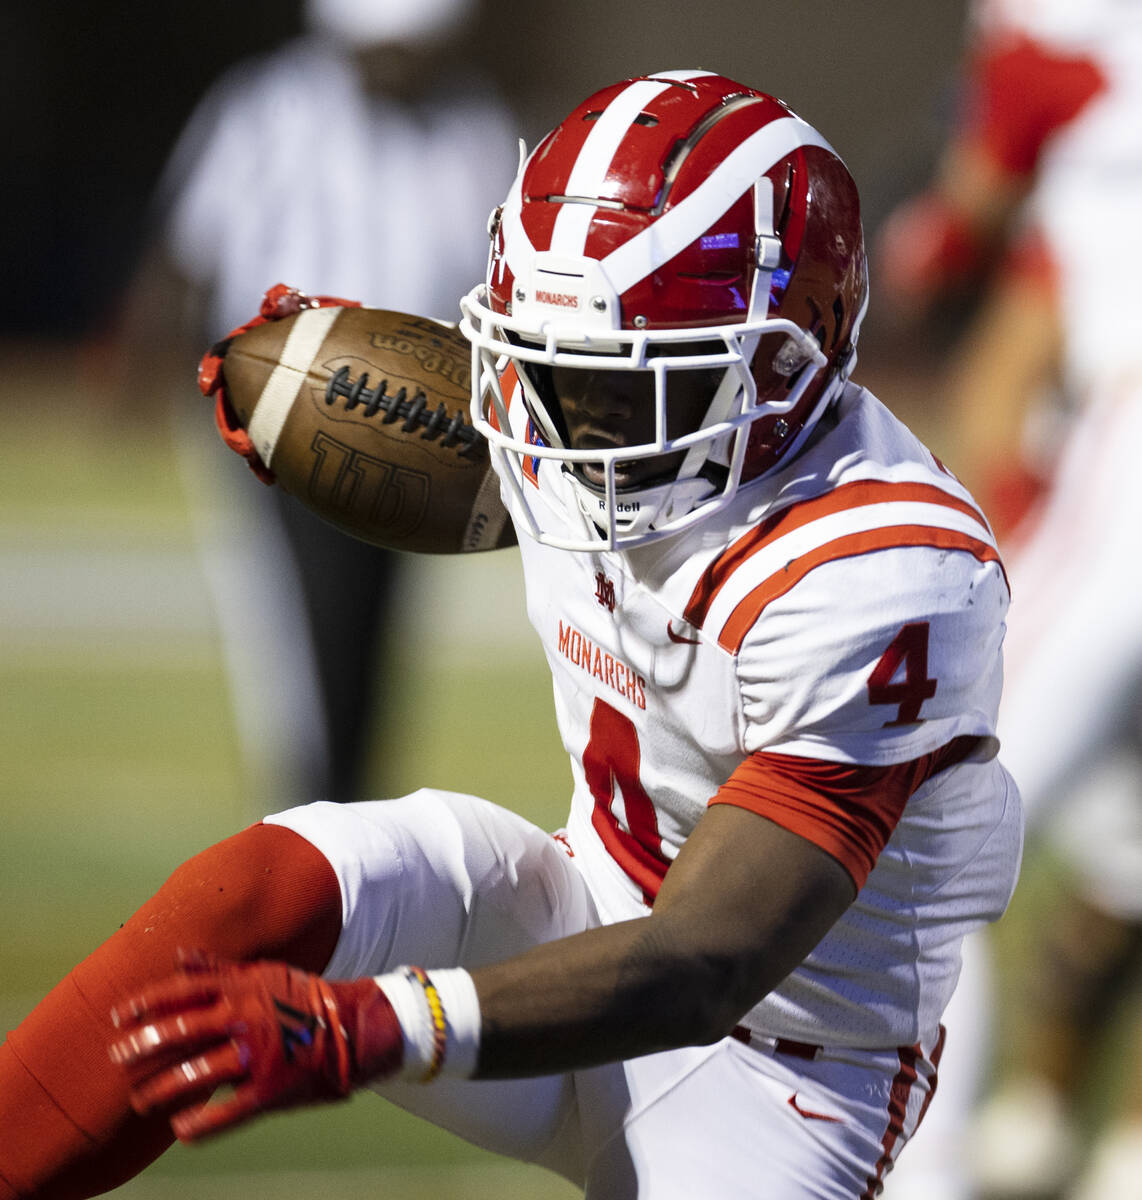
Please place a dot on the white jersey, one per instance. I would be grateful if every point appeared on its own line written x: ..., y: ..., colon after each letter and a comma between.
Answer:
x: 848, y: 607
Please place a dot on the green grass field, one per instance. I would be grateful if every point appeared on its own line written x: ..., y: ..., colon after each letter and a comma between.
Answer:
x: 119, y: 760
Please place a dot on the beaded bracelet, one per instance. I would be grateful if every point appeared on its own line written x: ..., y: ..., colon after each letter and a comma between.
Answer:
x: 439, y: 1025
x: 439, y: 1015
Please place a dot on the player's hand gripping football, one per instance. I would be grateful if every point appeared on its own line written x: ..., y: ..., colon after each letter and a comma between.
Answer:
x: 279, y: 1037
x: 279, y: 302
x: 363, y: 415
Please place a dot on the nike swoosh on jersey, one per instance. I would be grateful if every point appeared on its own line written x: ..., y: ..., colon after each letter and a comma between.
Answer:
x: 680, y: 638
x: 809, y: 1114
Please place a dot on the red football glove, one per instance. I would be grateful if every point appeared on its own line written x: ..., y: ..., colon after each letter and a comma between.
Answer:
x: 280, y: 1036
x: 280, y: 301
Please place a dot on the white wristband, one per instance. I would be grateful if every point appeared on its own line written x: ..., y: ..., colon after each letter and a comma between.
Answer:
x: 439, y: 1016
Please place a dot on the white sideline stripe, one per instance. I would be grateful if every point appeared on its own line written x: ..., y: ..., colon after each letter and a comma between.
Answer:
x: 301, y: 346
x: 157, y: 606
x: 676, y: 229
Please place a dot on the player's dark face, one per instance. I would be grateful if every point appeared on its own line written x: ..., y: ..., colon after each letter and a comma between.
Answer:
x: 605, y: 408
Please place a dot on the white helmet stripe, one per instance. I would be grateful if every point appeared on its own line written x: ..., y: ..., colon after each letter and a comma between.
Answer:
x: 659, y: 242
x: 590, y: 170
x: 517, y: 245
x: 589, y: 173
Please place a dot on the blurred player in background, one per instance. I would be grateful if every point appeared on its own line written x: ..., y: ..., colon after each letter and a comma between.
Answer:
x: 364, y: 158
x: 1035, y: 206
x: 774, y: 625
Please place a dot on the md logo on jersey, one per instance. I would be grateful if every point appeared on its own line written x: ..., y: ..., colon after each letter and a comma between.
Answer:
x: 604, y: 591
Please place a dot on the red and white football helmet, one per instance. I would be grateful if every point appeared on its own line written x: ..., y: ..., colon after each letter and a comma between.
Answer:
x: 678, y: 222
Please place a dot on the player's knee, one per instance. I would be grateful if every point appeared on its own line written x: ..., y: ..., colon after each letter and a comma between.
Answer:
x: 264, y: 893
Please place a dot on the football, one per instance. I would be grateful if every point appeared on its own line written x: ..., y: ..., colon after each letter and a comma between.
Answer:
x: 362, y: 413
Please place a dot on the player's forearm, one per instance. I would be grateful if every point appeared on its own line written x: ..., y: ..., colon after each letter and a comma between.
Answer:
x: 612, y: 993
x: 725, y: 930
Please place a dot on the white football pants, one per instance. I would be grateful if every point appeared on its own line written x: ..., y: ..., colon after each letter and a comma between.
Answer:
x: 441, y: 879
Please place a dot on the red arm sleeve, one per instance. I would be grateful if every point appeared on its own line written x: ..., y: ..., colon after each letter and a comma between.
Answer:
x: 848, y: 810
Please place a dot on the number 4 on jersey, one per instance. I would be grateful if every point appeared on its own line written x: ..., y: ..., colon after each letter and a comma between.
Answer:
x: 901, y: 675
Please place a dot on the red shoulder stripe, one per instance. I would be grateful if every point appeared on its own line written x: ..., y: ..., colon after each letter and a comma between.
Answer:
x: 849, y: 495
x: 891, y: 537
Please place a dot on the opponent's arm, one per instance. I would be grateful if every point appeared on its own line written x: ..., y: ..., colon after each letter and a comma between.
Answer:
x: 1016, y: 94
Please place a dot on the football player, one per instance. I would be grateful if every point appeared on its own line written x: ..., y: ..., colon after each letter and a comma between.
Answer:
x: 774, y: 626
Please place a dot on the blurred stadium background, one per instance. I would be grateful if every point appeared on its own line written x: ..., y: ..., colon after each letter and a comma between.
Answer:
x: 118, y: 757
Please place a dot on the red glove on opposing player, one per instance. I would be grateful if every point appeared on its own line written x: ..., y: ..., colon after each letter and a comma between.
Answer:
x: 280, y: 301
x: 280, y: 1036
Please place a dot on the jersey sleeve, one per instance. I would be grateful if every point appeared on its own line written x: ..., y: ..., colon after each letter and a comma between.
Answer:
x: 847, y: 810
x: 878, y: 658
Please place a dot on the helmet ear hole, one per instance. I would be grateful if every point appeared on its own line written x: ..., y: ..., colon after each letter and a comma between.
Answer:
x: 790, y: 358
